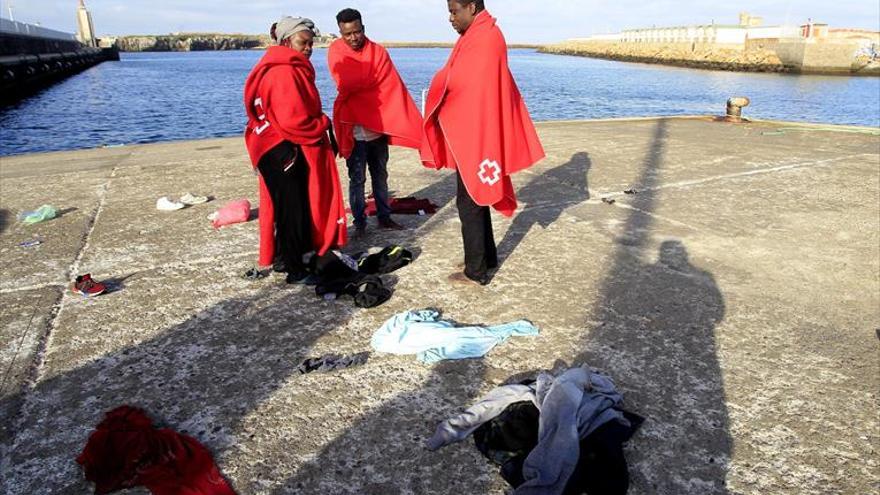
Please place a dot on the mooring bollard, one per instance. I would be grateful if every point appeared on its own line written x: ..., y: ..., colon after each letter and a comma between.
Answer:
x: 735, y: 106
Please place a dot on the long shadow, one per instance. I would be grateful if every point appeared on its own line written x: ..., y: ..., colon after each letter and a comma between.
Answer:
x: 544, y: 211
x: 202, y: 376
x: 384, y: 453
x: 4, y: 220
x: 656, y: 336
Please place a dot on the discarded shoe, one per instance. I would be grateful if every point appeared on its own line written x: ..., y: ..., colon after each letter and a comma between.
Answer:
x: 165, y: 204
x: 189, y: 199
x: 255, y: 274
x: 85, y: 286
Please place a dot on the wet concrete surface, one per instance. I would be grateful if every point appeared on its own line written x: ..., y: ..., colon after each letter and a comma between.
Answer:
x: 733, y: 295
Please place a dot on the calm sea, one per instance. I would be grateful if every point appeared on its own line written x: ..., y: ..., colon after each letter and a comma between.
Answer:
x: 149, y: 97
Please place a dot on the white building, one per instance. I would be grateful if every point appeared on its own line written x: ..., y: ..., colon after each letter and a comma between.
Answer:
x: 750, y: 27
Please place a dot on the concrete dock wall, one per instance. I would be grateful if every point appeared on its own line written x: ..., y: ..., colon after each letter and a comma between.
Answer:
x: 29, y: 63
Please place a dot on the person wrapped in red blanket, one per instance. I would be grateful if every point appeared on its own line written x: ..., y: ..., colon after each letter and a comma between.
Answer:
x: 373, y: 110
x: 478, y: 125
x: 289, y: 140
x: 126, y: 451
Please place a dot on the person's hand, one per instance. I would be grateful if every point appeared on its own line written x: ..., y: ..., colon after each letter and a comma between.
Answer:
x: 333, y: 143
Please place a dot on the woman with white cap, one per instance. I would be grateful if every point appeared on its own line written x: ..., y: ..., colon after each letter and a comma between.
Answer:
x: 289, y: 145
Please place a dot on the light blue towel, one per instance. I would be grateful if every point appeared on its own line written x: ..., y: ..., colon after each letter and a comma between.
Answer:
x: 425, y: 334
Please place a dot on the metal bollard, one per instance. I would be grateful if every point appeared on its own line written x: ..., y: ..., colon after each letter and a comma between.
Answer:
x: 735, y: 106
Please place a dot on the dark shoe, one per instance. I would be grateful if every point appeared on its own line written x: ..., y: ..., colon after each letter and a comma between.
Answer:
x: 255, y: 274
x: 464, y: 279
x: 389, y: 224
x: 360, y: 232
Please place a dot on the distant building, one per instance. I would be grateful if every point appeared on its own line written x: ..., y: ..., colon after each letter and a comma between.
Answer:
x: 730, y: 35
x: 86, y: 29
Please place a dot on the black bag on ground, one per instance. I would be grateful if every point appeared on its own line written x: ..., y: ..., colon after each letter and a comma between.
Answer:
x: 368, y: 290
x: 390, y: 259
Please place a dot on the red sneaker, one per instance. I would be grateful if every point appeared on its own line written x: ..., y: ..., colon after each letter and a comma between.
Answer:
x: 87, y: 287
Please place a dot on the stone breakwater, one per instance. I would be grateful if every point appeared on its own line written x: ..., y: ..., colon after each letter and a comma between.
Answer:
x: 685, y: 55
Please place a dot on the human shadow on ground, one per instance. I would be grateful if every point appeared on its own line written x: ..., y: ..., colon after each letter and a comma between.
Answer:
x: 655, y: 335
x: 542, y: 209
x: 202, y: 377
x: 384, y: 452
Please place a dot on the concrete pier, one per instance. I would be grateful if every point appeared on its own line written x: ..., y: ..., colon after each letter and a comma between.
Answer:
x: 32, y: 58
x: 733, y: 295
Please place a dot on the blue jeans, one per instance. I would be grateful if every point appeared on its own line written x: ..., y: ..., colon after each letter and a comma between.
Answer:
x: 372, y: 154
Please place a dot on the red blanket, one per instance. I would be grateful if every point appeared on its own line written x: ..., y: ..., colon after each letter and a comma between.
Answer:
x: 477, y: 120
x: 283, y: 103
x: 372, y: 95
x: 125, y: 451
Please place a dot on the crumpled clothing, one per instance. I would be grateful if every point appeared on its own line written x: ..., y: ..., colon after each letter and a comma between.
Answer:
x: 41, y: 214
x: 332, y: 362
x: 433, y: 340
x: 235, y: 212
x: 126, y: 451
x: 572, y: 407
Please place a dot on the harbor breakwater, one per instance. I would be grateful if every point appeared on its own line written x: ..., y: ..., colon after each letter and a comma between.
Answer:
x: 33, y: 58
x: 784, y: 57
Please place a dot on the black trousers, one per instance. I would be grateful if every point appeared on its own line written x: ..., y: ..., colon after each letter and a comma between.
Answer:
x: 480, y: 253
x: 290, y: 198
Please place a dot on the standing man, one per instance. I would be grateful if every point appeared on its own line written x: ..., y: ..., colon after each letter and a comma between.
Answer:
x: 373, y: 110
x: 478, y: 125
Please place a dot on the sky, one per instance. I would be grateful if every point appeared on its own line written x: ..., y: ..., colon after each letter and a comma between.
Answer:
x: 523, y: 21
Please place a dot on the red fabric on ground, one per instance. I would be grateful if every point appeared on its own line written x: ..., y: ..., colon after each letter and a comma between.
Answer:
x: 477, y: 121
x: 283, y: 103
x: 372, y: 95
x: 403, y: 206
x: 125, y: 451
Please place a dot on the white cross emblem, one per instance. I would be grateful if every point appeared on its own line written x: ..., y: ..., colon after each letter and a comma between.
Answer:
x: 490, y: 172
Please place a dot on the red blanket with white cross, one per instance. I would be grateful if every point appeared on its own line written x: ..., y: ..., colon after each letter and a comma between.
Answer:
x: 477, y: 120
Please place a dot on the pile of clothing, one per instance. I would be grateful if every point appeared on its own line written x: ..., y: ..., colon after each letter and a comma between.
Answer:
x: 338, y: 274
x: 126, y: 451
x: 553, y: 435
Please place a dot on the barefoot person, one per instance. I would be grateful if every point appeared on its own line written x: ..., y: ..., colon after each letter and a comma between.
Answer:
x: 478, y: 124
x: 373, y: 110
x: 289, y: 144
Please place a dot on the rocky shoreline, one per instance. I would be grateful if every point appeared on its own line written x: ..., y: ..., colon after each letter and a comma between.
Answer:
x: 195, y: 42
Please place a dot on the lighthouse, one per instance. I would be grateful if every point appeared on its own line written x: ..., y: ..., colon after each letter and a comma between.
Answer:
x: 86, y: 29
